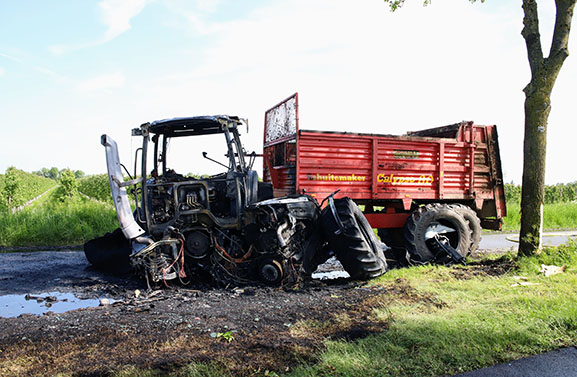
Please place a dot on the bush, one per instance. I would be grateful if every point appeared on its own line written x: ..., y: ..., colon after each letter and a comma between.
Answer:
x: 96, y: 187
x: 559, y: 193
x: 68, y: 186
x: 17, y: 187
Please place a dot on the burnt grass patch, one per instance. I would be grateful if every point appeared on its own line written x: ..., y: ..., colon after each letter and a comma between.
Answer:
x: 241, y: 331
x: 246, y: 331
x: 486, y: 267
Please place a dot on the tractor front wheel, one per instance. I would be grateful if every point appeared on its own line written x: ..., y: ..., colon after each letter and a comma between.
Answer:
x: 353, y: 240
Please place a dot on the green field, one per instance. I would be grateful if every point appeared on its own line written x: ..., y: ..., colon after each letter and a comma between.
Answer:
x: 50, y: 222
x: 555, y: 216
x: 55, y: 221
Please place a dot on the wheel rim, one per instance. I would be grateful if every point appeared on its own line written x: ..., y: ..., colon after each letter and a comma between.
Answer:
x: 442, y: 228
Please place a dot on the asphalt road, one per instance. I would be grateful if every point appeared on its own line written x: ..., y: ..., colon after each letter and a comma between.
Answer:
x: 500, y: 241
x: 559, y: 363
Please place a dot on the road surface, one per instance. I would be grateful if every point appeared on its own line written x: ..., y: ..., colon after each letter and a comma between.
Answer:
x: 500, y: 241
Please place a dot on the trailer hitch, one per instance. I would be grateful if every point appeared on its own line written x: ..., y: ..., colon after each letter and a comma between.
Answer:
x: 441, y: 245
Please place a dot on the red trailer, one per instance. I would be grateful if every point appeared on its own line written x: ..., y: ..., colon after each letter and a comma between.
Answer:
x: 412, y: 186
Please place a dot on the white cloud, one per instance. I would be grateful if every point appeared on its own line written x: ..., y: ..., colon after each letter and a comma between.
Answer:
x: 117, y: 14
x: 102, y: 82
x: 59, y: 49
x: 2, y: 71
x: 207, y: 5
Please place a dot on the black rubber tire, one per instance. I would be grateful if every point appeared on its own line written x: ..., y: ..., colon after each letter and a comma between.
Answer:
x: 474, y: 223
x: 357, y: 247
x: 417, y: 224
x: 395, y: 252
x: 392, y: 237
x: 110, y: 253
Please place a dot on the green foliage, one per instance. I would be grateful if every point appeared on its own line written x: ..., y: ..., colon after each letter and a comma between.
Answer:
x: 51, y: 222
x: 11, y: 192
x: 564, y: 255
x: 512, y: 193
x: 53, y: 173
x: 17, y: 187
x: 396, y: 4
x: 555, y: 216
x: 96, y: 187
x: 68, y: 186
x: 227, y: 336
x: 559, y: 193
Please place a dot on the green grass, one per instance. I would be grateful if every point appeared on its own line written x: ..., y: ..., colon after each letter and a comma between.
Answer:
x: 50, y: 222
x: 478, y: 322
x: 555, y: 216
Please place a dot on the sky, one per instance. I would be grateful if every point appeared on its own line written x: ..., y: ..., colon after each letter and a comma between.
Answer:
x: 71, y: 71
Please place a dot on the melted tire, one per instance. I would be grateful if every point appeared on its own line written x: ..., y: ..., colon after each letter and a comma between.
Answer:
x: 474, y: 223
x: 395, y: 252
x: 419, y: 222
x: 109, y: 253
x: 356, y: 246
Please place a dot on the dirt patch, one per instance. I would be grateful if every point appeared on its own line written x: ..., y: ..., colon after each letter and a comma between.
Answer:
x: 495, y: 267
x: 246, y: 330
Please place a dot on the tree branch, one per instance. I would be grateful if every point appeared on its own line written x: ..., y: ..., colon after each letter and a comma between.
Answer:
x: 531, y: 34
x: 559, y: 50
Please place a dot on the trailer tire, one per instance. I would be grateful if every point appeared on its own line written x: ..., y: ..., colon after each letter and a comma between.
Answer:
x: 421, y: 221
x: 474, y: 224
x: 355, y: 246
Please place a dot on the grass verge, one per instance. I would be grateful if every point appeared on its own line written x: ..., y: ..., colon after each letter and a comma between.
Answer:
x: 51, y: 222
x: 555, y: 216
x: 469, y: 320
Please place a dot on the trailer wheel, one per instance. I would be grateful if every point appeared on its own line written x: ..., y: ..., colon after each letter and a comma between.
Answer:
x: 433, y: 219
x: 474, y: 224
x: 356, y: 245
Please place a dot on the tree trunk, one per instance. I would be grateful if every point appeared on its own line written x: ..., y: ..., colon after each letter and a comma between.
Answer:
x: 544, y: 72
x: 537, y: 109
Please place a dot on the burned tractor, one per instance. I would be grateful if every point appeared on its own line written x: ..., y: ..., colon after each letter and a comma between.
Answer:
x: 226, y: 227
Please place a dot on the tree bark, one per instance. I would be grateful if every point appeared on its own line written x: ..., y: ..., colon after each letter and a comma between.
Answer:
x: 544, y: 72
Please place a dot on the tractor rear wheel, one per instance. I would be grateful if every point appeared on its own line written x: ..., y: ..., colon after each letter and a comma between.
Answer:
x: 435, y: 219
x: 355, y: 244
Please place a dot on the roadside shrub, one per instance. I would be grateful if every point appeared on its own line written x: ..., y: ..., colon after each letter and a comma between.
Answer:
x: 96, y: 187
x: 17, y: 187
x: 68, y: 186
x: 11, y: 190
x: 559, y: 193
